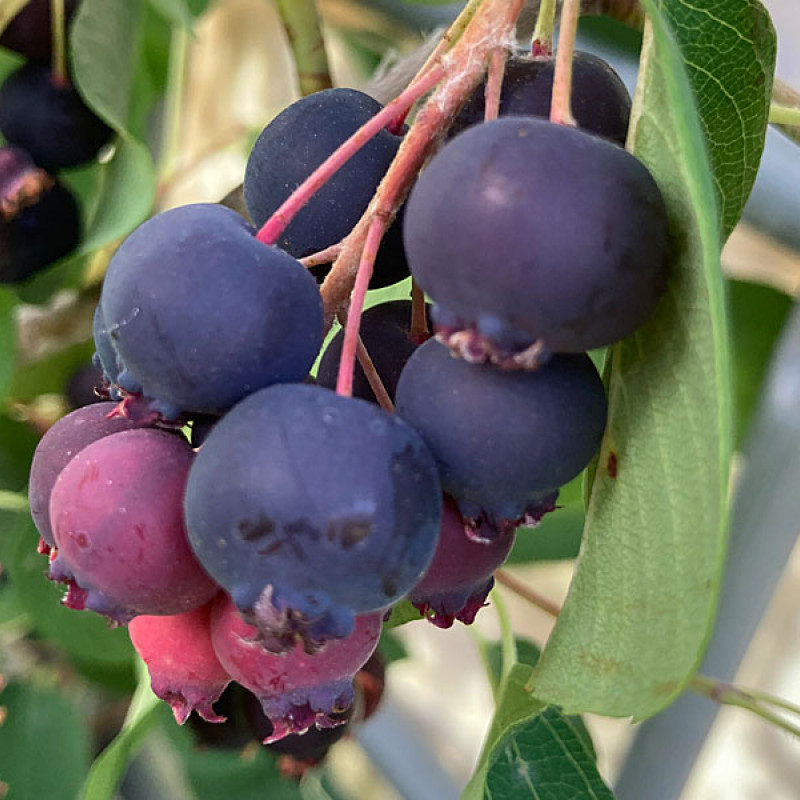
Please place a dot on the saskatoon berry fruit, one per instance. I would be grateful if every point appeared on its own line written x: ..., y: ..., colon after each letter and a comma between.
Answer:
x: 600, y: 102
x: 39, y: 219
x: 57, y: 447
x: 293, y: 145
x: 297, y: 752
x: 49, y: 119
x: 296, y: 690
x: 82, y: 385
x: 385, y: 333
x: 309, y: 508
x: 460, y: 576
x: 201, y: 313
x: 120, y: 542
x: 504, y: 441
x: 30, y: 33
x: 184, y: 669
x: 527, y: 232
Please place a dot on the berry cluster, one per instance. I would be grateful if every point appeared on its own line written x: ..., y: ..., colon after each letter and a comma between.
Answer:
x: 47, y: 127
x: 268, y: 550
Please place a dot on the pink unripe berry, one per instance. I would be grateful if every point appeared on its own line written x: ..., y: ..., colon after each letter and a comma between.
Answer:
x: 184, y: 669
x: 296, y: 690
x: 459, y: 578
x: 117, y: 514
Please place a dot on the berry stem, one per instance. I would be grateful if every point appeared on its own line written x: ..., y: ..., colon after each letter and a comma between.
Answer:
x: 276, y: 224
x: 526, y: 593
x: 418, y: 332
x: 462, y: 69
x: 375, y: 382
x: 58, y: 30
x: 344, y: 382
x: 176, y: 79
x: 13, y: 501
x: 494, y: 83
x: 371, y: 374
x: 560, y: 108
x: 784, y: 115
x: 302, y: 24
x: 729, y: 695
x: 326, y: 256
x: 785, y: 95
x: 507, y: 643
x: 542, y: 44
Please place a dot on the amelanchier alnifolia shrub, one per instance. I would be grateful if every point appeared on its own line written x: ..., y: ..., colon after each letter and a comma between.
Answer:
x: 307, y: 515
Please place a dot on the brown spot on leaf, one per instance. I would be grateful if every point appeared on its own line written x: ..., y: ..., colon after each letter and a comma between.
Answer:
x: 611, y: 464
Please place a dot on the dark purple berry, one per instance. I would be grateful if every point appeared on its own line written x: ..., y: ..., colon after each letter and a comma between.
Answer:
x: 120, y: 541
x: 293, y: 145
x: 57, y: 447
x: 39, y: 218
x: 309, y: 508
x: 600, y: 101
x: 504, y: 441
x: 385, y: 333
x: 82, y: 385
x: 533, y: 237
x: 30, y: 33
x: 297, y: 752
x: 202, y: 314
x: 49, y: 119
x: 459, y: 579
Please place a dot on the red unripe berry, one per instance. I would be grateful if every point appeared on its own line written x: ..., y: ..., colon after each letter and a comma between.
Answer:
x: 296, y: 690
x: 117, y: 516
x: 184, y: 669
x: 459, y: 578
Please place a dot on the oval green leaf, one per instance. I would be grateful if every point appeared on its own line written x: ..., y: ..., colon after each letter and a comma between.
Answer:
x: 546, y: 758
x: 729, y: 49
x: 641, y: 604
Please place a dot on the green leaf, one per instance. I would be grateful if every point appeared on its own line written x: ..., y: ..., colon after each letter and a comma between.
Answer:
x: 390, y: 648
x: 729, y: 49
x: 110, y: 765
x: 515, y: 704
x: 176, y: 12
x: 558, y: 535
x: 546, y: 757
x: 125, y: 198
x: 527, y: 653
x: 7, y: 341
x: 402, y: 613
x: 106, y: 45
x: 757, y: 317
x: 83, y: 634
x: 45, y: 744
x: 641, y: 603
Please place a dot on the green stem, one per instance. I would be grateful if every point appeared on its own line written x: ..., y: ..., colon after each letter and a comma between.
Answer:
x: 729, y: 695
x: 58, y: 29
x: 301, y: 22
x: 483, y: 652
x: 509, y: 646
x: 542, y: 45
x: 13, y: 501
x: 176, y: 80
x: 784, y: 115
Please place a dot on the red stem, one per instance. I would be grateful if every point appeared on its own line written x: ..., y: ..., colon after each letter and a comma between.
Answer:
x: 344, y: 382
x: 375, y: 383
x: 418, y: 332
x: 494, y: 83
x: 560, y: 108
x: 326, y: 256
x: 276, y: 224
